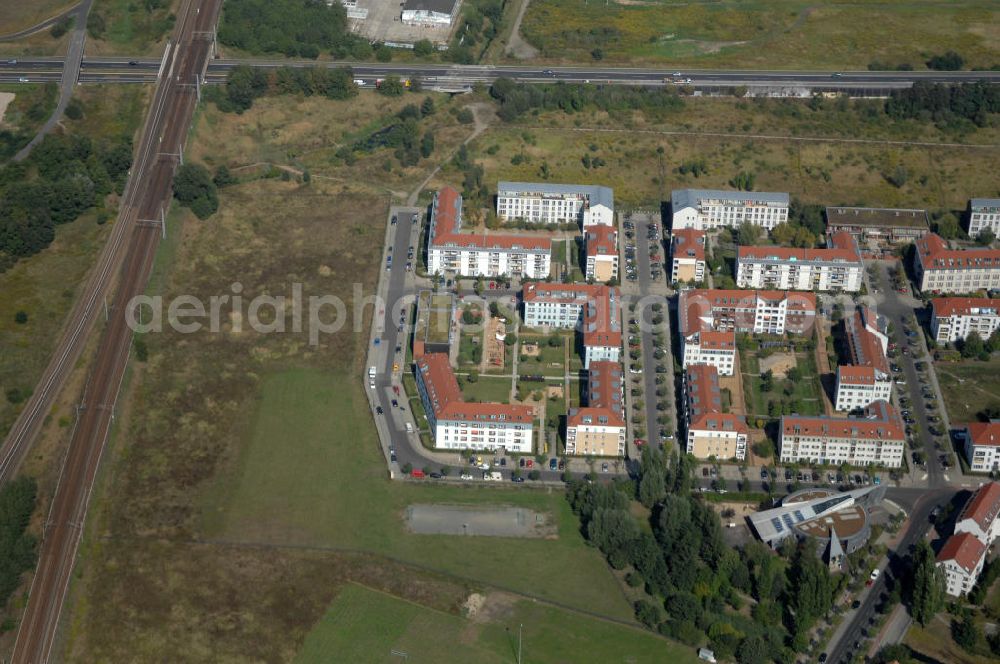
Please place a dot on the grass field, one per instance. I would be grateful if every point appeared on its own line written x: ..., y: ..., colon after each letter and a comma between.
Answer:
x: 45, y: 285
x: 363, y: 625
x: 763, y: 33
x: 968, y: 388
x: 935, y: 641
x: 131, y: 28
x: 307, y: 133
x: 807, y: 391
x: 487, y: 389
x: 824, y: 172
x: 15, y: 16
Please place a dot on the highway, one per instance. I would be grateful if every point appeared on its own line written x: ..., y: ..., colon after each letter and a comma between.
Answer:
x: 129, y: 258
x: 140, y: 70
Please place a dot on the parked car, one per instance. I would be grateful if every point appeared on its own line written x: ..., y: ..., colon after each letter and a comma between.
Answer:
x: 604, y: 467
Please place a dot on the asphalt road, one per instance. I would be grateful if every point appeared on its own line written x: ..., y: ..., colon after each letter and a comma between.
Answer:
x: 67, y: 78
x: 147, y: 192
x: 138, y: 70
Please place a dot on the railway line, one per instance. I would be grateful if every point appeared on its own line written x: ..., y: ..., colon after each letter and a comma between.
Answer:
x: 123, y: 270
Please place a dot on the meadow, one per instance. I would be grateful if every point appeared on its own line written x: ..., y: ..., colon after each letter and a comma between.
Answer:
x: 763, y: 34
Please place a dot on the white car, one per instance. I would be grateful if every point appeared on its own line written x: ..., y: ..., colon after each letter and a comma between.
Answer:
x: 874, y: 575
x: 466, y: 476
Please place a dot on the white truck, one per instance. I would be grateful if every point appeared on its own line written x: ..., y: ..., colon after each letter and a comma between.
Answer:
x: 371, y: 377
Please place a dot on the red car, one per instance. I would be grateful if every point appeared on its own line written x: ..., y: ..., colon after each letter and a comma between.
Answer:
x: 417, y: 474
x: 530, y: 463
x: 639, y: 442
x: 395, y: 389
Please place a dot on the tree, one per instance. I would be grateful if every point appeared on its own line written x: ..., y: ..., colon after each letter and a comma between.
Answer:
x: 927, y: 589
x: 647, y: 613
x: 194, y: 188
x: 994, y: 342
x: 986, y: 237
x: 747, y: 234
x: 743, y: 181
x: 423, y: 47
x: 222, y: 177
x: 810, y: 591
x: 243, y: 85
x: 427, y: 107
x: 752, y: 650
x: 947, y: 226
x: 21, y: 317
x: 973, y: 345
x: 391, y: 86
x: 611, y: 529
x: 949, y: 61
x: 427, y: 144
x: 965, y: 632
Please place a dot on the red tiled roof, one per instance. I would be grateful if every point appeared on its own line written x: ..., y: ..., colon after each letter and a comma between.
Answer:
x: 605, y: 382
x: 983, y: 507
x: 881, y: 423
x: 964, y: 306
x: 856, y: 375
x: 934, y: 254
x: 963, y: 548
x: 701, y: 390
x: 864, y: 347
x: 446, y: 219
x: 602, y: 320
x: 702, y: 303
x: 568, y: 293
x: 599, y: 416
x: 718, y: 422
x: 687, y: 243
x: 601, y: 241
x: 446, y: 397
x: 845, y: 248
x: 718, y: 340
x: 984, y: 433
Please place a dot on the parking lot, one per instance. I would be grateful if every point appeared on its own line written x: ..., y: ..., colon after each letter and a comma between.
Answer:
x: 383, y: 24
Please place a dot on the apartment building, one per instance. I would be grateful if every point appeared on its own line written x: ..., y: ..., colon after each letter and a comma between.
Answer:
x: 709, y: 320
x: 981, y: 443
x: 598, y: 429
x: 544, y: 203
x: 710, y: 432
x: 878, y: 224
x: 838, y: 267
x: 866, y: 379
x: 595, y: 310
x: 961, y: 558
x: 955, y: 318
x: 876, y: 438
x: 707, y: 209
x: 601, y: 246
x: 687, y: 255
x: 940, y: 269
x: 963, y: 555
x: 480, y: 254
x: 984, y: 213
x: 981, y: 515
x: 457, y: 424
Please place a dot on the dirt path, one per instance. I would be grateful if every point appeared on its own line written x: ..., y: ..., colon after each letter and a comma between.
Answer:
x: 483, y: 114
x: 823, y: 368
x: 517, y: 47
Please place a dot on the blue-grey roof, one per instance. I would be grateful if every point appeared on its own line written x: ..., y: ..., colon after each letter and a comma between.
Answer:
x: 685, y: 198
x: 979, y: 203
x: 597, y: 194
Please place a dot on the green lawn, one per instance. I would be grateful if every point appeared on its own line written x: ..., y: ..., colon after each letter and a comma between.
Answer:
x: 806, y: 392
x: 467, y: 343
x: 763, y: 33
x: 312, y: 475
x: 363, y: 625
x: 968, y: 387
x: 486, y: 389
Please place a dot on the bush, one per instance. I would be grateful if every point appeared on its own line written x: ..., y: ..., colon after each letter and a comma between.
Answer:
x: 17, y: 546
x: 950, y: 61
x: 193, y: 187
x: 21, y: 317
x: 423, y: 47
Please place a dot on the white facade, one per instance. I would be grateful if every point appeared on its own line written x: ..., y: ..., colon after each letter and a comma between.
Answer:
x: 958, y: 580
x: 600, y: 353
x: 707, y: 209
x: 940, y: 269
x: 855, y: 391
x: 981, y: 443
x: 984, y: 213
x: 833, y: 269
x: 955, y: 318
x: 482, y: 435
x: 705, y: 348
x: 489, y: 262
x: 875, y: 439
x: 565, y: 315
x: 556, y: 203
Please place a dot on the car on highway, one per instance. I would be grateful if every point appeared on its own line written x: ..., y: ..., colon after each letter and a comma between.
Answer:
x: 22, y: 79
x: 548, y: 72
x: 133, y: 63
